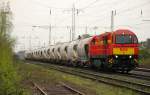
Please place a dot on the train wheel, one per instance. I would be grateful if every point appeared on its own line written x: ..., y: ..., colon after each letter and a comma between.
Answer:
x: 122, y: 70
x: 91, y: 66
x: 76, y: 64
x: 126, y: 71
x: 69, y: 63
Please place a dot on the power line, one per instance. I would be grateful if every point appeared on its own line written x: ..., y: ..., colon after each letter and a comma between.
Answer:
x: 132, y: 25
x: 125, y: 10
x: 146, y: 20
x: 129, y: 9
x: 140, y: 23
x: 103, y: 15
x: 133, y: 8
x: 87, y: 6
x: 46, y: 6
x: 102, y: 4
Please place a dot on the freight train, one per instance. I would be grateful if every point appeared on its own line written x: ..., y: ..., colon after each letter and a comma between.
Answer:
x: 115, y: 51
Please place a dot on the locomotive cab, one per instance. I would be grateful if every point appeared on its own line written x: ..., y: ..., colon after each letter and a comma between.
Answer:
x: 124, y: 50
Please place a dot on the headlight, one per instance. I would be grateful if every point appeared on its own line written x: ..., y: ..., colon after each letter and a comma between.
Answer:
x: 116, y: 56
x: 130, y: 56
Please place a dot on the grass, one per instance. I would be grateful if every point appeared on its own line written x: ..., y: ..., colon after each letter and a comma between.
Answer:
x: 144, y: 60
x: 42, y: 75
x: 145, y: 63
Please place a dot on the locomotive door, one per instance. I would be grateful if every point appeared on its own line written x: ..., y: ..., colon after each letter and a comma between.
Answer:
x: 105, y: 42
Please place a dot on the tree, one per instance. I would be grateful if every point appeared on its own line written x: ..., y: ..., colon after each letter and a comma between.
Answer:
x: 9, y: 80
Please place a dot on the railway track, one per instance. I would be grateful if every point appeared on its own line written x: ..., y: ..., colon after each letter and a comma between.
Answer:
x: 140, y: 87
x: 63, y: 89
x: 142, y: 69
x: 141, y: 73
x: 71, y: 89
x: 41, y: 91
x: 135, y: 75
x: 139, y: 76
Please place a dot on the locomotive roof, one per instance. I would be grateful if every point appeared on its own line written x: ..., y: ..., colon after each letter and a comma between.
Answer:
x: 123, y: 31
x: 119, y: 31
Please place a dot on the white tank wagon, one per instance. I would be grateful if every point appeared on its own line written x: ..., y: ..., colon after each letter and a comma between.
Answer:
x: 33, y: 54
x: 41, y: 54
x: 37, y: 54
x: 27, y: 55
x: 45, y: 54
x: 20, y: 55
x: 82, y: 50
x: 69, y: 52
x: 58, y: 51
x: 64, y: 52
x: 48, y: 53
x: 72, y: 52
x: 51, y: 53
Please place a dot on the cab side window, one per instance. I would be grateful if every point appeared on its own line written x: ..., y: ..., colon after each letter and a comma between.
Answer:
x: 105, y: 40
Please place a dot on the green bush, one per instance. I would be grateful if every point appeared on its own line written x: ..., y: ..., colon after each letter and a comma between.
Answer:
x: 145, y: 53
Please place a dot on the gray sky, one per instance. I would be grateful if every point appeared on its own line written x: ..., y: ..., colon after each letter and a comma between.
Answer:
x: 27, y: 13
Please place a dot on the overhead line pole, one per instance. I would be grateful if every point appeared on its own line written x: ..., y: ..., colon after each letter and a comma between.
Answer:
x: 30, y: 47
x: 86, y: 29
x: 50, y: 29
x: 112, y: 21
x: 73, y: 22
x: 73, y: 26
x: 113, y: 13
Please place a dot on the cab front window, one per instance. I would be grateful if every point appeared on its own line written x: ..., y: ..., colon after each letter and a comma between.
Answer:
x: 126, y: 39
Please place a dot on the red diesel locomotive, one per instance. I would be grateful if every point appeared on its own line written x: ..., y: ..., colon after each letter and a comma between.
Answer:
x: 117, y: 51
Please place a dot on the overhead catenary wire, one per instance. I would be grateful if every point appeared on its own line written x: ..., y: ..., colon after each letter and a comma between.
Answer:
x: 87, y: 6
x: 130, y: 10
x: 102, y: 5
x: 124, y: 10
x: 83, y: 7
x: 46, y: 6
x: 133, y: 26
x: 93, y: 3
x: 101, y: 16
x: 133, y: 8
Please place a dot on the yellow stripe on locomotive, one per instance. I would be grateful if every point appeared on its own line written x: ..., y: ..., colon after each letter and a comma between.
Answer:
x: 123, y: 51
